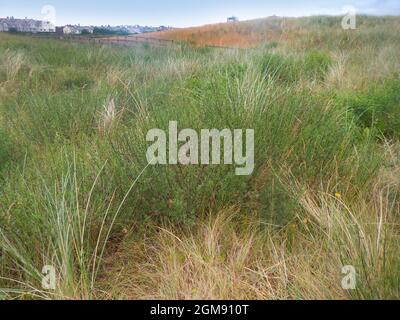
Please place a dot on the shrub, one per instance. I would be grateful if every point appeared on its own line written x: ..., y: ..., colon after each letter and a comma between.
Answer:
x: 313, y: 66
x: 316, y: 64
x: 308, y: 137
x: 378, y: 107
x: 284, y: 68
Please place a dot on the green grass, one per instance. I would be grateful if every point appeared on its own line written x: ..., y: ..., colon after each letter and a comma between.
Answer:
x: 72, y: 180
x: 378, y: 107
x: 291, y: 69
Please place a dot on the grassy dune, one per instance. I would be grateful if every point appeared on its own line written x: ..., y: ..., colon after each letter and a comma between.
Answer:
x: 77, y: 194
x: 253, y: 33
x: 239, y: 34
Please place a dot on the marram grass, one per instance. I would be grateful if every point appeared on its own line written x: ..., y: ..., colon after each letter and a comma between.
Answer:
x: 78, y: 194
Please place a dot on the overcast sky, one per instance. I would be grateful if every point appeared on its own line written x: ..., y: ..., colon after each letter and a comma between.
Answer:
x: 183, y: 13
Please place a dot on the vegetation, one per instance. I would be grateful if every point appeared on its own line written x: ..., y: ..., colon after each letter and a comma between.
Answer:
x: 77, y: 192
x: 106, y: 31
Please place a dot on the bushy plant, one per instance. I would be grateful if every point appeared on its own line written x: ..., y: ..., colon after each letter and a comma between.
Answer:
x: 378, y: 107
x: 312, y: 66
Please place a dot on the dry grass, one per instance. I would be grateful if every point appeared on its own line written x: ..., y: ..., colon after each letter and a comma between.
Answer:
x: 219, y: 261
x: 245, y: 34
x: 108, y: 116
x: 222, y: 260
x: 234, y: 256
x: 12, y: 62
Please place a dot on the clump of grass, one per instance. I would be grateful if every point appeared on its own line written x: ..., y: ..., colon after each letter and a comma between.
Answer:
x: 63, y: 229
x: 109, y: 115
x: 218, y: 260
x: 72, y: 78
x: 378, y: 107
x: 316, y: 64
x: 70, y: 231
x: 281, y: 67
x: 234, y: 256
x: 47, y: 117
x: 289, y: 69
x: 337, y: 75
x: 12, y: 63
x: 361, y: 235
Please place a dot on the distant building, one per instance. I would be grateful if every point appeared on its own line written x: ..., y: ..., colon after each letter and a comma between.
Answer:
x: 72, y: 29
x: 132, y: 29
x: 233, y: 19
x: 60, y: 30
x: 163, y: 28
x: 25, y: 25
x: 87, y: 29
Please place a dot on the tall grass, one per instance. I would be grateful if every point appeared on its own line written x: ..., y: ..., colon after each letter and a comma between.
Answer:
x: 78, y: 194
x: 233, y: 257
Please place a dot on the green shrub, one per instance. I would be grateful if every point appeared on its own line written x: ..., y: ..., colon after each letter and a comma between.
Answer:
x: 316, y: 64
x: 284, y: 68
x: 311, y: 139
x: 313, y: 66
x: 177, y: 187
x: 294, y: 133
x: 378, y: 107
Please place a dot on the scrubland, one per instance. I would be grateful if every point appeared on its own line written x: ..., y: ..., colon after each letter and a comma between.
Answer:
x: 76, y: 191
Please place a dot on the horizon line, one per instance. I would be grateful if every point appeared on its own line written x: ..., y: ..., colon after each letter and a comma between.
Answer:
x: 333, y: 15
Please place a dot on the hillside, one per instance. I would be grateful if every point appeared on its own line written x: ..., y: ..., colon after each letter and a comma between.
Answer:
x: 238, y: 34
x: 253, y: 33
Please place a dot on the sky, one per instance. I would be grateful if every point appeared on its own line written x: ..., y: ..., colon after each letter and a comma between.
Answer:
x: 181, y: 13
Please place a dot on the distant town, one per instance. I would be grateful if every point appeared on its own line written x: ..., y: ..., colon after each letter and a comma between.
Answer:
x: 11, y: 24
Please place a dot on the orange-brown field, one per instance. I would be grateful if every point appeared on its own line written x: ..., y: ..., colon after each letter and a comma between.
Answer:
x: 244, y: 34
